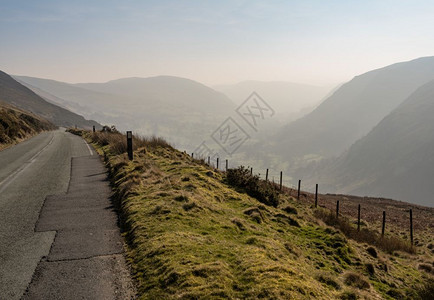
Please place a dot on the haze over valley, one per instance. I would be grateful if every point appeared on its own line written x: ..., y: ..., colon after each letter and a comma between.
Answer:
x: 217, y: 149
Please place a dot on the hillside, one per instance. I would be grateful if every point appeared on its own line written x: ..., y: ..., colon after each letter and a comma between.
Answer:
x: 171, y: 90
x: 289, y: 100
x: 191, y: 235
x: 16, y: 94
x: 395, y: 158
x: 17, y: 125
x: 184, y: 111
x: 352, y: 111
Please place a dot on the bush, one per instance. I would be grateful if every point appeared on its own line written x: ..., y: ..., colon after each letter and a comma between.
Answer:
x: 262, y: 190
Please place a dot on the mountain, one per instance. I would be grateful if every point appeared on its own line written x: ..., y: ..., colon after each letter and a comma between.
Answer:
x: 17, y: 124
x: 93, y: 105
x: 396, y: 158
x: 289, y: 100
x: 180, y: 92
x: 184, y: 111
x: 352, y: 111
x: 16, y: 94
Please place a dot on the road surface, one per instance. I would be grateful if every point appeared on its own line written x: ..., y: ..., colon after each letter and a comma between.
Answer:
x: 29, y: 172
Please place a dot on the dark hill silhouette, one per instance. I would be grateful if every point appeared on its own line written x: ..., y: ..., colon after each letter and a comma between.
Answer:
x: 16, y: 94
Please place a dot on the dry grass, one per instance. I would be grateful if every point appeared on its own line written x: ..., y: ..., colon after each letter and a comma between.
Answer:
x: 118, y: 141
x: 191, y: 235
x: 387, y: 243
x: 16, y: 125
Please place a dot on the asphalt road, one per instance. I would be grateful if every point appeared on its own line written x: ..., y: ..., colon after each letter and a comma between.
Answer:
x: 29, y: 172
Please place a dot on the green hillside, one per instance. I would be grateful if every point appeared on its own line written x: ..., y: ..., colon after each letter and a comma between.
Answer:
x: 192, y: 235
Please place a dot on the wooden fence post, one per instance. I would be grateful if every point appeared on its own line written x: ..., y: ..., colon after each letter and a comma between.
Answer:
x: 358, y: 219
x: 281, y: 180
x: 217, y: 163
x: 299, y: 186
x: 130, y: 144
x: 209, y: 160
x: 411, y: 226
x: 266, y: 176
x: 251, y: 171
x: 337, y: 209
x: 316, y: 195
x: 226, y: 165
x: 192, y: 154
x: 384, y: 223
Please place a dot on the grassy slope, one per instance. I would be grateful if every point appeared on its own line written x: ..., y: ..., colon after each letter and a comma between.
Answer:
x: 192, y: 236
x: 17, y: 125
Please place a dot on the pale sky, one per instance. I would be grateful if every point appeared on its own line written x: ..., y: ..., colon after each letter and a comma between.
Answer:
x: 213, y: 42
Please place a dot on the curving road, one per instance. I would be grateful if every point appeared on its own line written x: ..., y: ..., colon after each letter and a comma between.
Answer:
x: 29, y: 172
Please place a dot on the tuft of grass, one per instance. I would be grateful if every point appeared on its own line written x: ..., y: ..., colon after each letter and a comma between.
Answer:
x: 372, y: 251
x: 356, y: 280
x: 348, y: 295
x: 329, y: 281
x: 426, y: 291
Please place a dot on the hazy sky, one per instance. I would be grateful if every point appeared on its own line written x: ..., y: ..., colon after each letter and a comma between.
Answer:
x: 318, y: 42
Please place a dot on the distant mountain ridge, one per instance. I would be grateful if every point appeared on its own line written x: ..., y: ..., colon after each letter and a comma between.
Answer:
x: 184, y: 111
x: 352, y: 111
x: 396, y: 159
x: 18, y: 95
x: 165, y: 89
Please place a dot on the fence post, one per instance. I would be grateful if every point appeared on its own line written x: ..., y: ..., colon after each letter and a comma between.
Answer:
x: 316, y: 195
x: 226, y: 165
x: 281, y: 180
x: 192, y: 154
x: 337, y: 209
x: 251, y: 171
x: 93, y: 128
x: 130, y: 144
x: 384, y: 223
x: 209, y: 160
x: 411, y: 226
x: 299, y: 186
x: 217, y: 163
x: 358, y: 219
x: 266, y: 176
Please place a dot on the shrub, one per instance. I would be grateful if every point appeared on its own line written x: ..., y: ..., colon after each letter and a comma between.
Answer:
x: 262, y: 190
